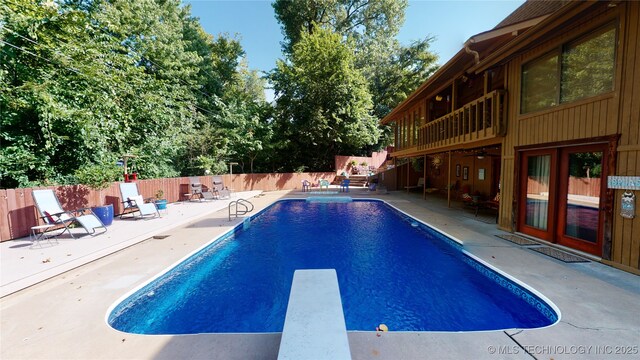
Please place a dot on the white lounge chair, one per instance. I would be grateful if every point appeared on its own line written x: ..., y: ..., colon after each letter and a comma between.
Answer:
x: 133, y: 202
x: 52, y: 213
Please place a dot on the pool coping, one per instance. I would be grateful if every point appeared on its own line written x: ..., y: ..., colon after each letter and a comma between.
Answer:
x: 534, y: 292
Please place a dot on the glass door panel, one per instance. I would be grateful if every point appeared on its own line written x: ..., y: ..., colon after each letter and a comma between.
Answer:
x: 537, y: 191
x: 583, y: 195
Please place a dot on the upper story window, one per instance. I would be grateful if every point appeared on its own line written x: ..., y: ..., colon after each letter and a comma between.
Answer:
x: 540, y: 83
x: 583, y: 68
x: 588, y: 66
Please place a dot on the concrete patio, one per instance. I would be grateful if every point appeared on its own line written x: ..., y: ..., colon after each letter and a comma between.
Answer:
x: 64, y: 316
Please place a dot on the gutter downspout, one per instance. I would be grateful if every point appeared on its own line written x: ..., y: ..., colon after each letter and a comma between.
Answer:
x: 469, y: 51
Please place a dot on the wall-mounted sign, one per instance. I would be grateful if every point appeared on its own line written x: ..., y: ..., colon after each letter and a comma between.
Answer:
x: 628, y: 205
x: 624, y: 182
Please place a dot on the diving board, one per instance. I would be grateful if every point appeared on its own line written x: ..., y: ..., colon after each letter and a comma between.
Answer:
x: 314, y: 327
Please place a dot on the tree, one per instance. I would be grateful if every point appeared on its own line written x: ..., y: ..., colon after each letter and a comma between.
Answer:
x: 83, y: 82
x: 359, y: 19
x: 323, y: 104
x: 392, y: 71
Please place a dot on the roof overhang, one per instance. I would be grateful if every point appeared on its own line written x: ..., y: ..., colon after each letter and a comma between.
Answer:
x: 510, y: 39
x: 463, y: 59
x: 536, y: 32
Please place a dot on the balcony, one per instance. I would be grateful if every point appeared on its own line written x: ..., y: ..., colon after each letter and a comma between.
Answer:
x: 478, y: 121
x: 481, y: 119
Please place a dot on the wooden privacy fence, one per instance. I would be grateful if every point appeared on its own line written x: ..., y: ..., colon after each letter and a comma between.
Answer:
x: 18, y: 212
x: 375, y: 160
x: 577, y: 186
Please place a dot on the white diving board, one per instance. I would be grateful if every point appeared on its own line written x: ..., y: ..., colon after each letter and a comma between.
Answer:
x: 314, y: 327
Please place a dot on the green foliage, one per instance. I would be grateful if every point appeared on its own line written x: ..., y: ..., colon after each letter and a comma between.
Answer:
x: 417, y: 164
x: 368, y: 28
x: 323, y: 103
x: 98, y: 176
x: 359, y: 19
x: 89, y: 80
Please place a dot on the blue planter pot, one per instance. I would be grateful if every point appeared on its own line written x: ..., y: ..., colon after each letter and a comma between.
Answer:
x: 161, y: 204
x: 104, y: 213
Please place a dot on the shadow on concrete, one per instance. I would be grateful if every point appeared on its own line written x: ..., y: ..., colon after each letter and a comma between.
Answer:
x: 222, y: 346
x: 213, y: 223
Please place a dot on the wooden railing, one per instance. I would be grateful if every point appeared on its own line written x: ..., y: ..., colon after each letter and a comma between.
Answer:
x: 481, y: 119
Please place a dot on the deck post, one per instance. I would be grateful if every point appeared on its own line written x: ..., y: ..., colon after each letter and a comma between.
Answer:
x: 407, y: 179
x: 449, y: 182
x: 424, y: 176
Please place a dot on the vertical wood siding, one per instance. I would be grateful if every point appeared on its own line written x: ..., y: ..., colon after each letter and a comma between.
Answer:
x: 626, y: 232
x: 608, y: 114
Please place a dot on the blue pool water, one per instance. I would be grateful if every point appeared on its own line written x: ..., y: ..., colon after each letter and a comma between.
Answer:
x: 390, y: 268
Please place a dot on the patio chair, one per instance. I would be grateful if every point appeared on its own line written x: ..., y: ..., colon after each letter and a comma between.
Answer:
x: 195, y: 186
x: 471, y: 201
x: 344, y: 185
x: 52, y: 213
x: 493, y: 204
x: 306, y: 185
x: 218, y: 187
x: 132, y: 202
x: 324, y: 183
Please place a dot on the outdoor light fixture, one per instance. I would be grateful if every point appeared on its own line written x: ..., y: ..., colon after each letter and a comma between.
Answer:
x: 231, y: 167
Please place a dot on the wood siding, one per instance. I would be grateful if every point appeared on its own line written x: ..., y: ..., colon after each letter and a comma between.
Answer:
x: 18, y: 213
x: 626, y: 232
x: 614, y: 113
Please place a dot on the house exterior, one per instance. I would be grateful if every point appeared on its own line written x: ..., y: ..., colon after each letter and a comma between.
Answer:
x: 542, y: 109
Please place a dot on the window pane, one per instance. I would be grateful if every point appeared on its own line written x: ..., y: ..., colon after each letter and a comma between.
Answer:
x: 539, y: 168
x: 588, y: 67
x: 539, y: 84
x: 583, y: 195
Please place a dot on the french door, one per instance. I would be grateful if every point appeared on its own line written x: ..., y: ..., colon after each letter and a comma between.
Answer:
x: 561, y: 195
x: 537, y: 189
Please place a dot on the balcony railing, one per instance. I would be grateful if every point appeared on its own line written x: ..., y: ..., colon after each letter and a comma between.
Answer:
x: 481, y: 119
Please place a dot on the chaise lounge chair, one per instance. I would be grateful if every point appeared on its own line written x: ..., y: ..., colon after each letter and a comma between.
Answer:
x: 195, y: 187
x: 417, y: 186
x: 51, y: 213
x: 219, y: 188
x: 133, y: 202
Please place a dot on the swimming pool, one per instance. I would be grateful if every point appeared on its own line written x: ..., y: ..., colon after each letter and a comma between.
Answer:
x: 391, y: 269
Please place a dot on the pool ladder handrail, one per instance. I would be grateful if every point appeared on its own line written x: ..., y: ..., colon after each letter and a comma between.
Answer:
x: 247, y: 208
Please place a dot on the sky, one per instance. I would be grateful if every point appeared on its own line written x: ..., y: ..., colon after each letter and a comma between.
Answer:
x: 253, y: 22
